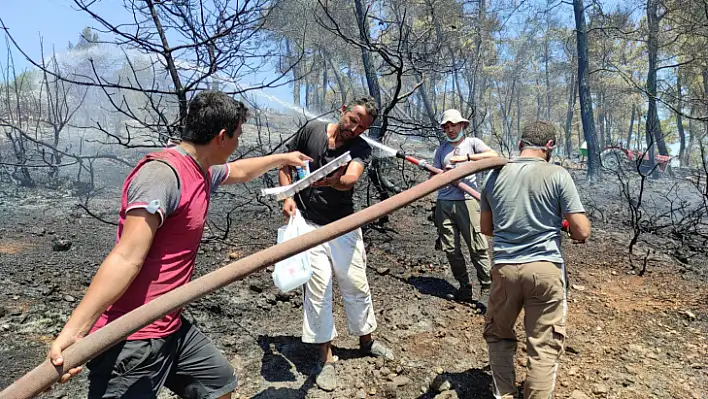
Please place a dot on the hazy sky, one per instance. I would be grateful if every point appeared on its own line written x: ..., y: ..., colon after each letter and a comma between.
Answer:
x: 58, y: 22
x: 55, y: 22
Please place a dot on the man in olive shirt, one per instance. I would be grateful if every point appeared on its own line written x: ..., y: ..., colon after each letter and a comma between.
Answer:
x: 523, y: 206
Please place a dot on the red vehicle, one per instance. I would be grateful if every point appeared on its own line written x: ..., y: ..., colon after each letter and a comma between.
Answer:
x: 615, y: 157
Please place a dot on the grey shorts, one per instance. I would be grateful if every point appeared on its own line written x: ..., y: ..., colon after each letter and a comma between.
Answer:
x: 186, y: 362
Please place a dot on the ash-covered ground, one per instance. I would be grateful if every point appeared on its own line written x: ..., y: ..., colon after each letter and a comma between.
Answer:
x: 629, y: 336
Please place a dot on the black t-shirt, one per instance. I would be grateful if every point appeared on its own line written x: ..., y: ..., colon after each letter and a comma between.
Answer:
x: 323, y: 205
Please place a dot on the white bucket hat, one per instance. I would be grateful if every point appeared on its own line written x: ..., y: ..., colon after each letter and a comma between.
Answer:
x: 453, y: 116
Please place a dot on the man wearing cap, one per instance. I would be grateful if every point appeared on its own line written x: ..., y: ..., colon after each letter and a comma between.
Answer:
x: 523, y: 206
x: 456, y: 212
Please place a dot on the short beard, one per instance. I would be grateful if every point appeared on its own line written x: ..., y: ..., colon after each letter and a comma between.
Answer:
x: 340, y: 130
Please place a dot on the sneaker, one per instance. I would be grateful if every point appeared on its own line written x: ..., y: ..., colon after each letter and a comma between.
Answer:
x: 326, y: 378
x: 377, y: 349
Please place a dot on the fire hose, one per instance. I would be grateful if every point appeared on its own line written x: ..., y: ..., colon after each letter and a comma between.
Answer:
x: 423, y: 165
x: 44, y: 375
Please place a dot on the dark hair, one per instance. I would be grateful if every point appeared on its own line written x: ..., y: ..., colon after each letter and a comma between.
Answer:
x: 209, y: 112
x: 539, y: 133
x: 369, y: 105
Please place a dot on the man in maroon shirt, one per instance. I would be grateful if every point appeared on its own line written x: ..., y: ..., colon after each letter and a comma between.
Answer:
x: 163, y: 210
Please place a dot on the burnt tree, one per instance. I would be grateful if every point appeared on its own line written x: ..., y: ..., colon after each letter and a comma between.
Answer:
x: 586, y: 113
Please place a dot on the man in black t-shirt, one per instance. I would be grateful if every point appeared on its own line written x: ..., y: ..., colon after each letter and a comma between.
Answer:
x: 326, y: 201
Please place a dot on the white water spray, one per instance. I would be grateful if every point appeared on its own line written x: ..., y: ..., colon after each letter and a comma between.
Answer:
x: 112, y: 55
x: 386, y: 151
x: 290, y: 106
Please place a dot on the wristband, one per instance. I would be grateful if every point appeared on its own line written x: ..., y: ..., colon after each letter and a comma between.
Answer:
x: 468, y: 157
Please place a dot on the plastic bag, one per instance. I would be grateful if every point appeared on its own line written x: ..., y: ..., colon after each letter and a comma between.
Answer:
x: 294, y: 271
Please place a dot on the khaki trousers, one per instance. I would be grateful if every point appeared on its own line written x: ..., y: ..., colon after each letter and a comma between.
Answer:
x: 540, y: 289
x: 458, y: 220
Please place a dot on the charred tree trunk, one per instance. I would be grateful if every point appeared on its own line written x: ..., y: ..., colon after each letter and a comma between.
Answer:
x: 426, y: 105
x: 350, y: 78
x: 369, y: 69
x: 518, y: 117
x: 21, y: 173
x: 701, y: 137
x: 473, y: 107
x: 548, y: 81
x: 473, y: 73
x: 325, y: 84
x: 679, y: 119
x: 444, y: 99
x: 569, y: 113
x: 308, y: 104
x: 296, y: 88
x: 454, y: 96
x: 538, y: 99
x: 691, y: 139
x: 296, y: 73
x: 372, y: 82
x: 638, y: 136
x: 601, y: 118
x: 169, y: 60
x: 584, y: 91
x: 338, y: 78
x: 704, y: 74
x: 54, y: 109
x: 457, y: 99
x: 631, y: 127
x: 653, y: 123
x: 608, y: 127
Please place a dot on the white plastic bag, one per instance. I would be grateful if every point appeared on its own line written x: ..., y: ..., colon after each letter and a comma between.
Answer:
x: 294, y: 271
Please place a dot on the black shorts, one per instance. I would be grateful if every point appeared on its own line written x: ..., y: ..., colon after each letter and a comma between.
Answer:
x: 186, y: 362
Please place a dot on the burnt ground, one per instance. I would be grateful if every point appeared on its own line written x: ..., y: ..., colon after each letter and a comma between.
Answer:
x: 628, y: 336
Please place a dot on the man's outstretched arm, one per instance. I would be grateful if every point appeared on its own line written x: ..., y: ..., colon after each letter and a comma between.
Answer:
x: 245, y: 170
x: 489, y: 153
x: 483, y: 155
x: 112, y: 279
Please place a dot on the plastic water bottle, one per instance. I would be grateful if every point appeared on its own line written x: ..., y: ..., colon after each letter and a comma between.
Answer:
x: 303, y: 172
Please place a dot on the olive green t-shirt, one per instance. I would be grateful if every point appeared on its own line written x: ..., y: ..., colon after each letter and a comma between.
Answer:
x: 528, y: 198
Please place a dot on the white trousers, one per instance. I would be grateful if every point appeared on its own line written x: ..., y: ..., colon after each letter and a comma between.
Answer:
x: 344, y: 257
